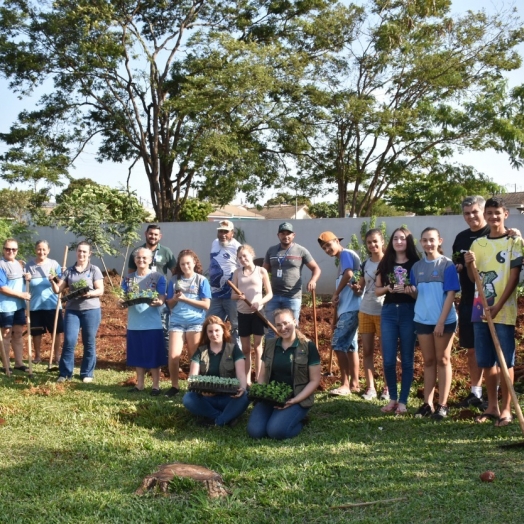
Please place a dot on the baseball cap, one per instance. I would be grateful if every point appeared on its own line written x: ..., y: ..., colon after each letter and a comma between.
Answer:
x: 285, y: 226
x: 327, y: 236
x: 226, y: 225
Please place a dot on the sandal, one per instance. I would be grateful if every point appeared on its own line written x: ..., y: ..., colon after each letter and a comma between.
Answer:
x: 338, y: 392
x: 503, y: 422
x: 401, y: 409
x: 486, y: 417
x: 390, y: 407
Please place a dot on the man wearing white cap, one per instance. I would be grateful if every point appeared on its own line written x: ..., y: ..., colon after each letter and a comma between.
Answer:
x: 223, y: 264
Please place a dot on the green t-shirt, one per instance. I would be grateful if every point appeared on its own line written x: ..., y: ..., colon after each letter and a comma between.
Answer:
x: 215, y: 358
x: 281, y: 369
x: 163, y: 259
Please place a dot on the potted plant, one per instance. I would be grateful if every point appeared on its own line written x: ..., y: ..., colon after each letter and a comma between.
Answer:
x: 212, y: 384
x: 134, y: 296
x: 53, y: 276
x: 399, y: 277
x: 274, y: 393
x: 78, y: 289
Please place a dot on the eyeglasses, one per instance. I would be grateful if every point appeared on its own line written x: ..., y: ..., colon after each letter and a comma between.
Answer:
x: 284, y: 324
x: 13, y: 249
x: 141, y: 258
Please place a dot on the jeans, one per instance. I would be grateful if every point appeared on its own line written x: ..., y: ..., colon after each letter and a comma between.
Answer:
x: 485, y: 351
x: 225, y: 308
x: 279, y: 302
x: 88, y: 320
x: 396, y: 323
x: 220, y: 408
x: 279, y: 424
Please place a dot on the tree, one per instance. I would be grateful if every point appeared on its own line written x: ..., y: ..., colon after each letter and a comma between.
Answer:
x: 76, y: 183
x: 442, y: 190
x: 411, y: 89
x: 195, y: 210
x: 288, y: 199
x: 323, y: 210
x: 201, y: 92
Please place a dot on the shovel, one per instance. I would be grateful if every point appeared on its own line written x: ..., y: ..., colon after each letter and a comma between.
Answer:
x: 29, y: 337
x: 333, y: 327
x: 500, y: 355
x: 57, y: 312
x: 315, y: 330
x: 5, y: 358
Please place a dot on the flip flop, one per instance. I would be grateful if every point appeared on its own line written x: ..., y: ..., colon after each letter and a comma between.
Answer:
x: 503, y: 422
x: 389, y: 408
x: 401, y: 410
x: 486, y: 417
x: 337, y: 392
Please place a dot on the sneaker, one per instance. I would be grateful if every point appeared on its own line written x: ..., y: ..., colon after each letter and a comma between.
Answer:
x: 370, y: 394
x: 440, y: 413
x: 61, y: 380
x: 22, y: 368
x: 470, y: 401
x: 155, y: 392
x: 87, y: 380
x: 385, y: 394
x: 424, y: 411
x: 134, y: 390
x: 171, y: 392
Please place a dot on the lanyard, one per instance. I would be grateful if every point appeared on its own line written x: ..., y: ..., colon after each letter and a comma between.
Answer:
x: 282, y: 259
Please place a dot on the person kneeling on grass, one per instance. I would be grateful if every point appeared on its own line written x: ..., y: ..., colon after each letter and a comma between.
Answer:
x: 291, y: 359
x: 217, y: 356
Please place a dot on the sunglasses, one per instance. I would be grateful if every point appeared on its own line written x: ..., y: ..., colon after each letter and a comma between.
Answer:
x: 13, y: 249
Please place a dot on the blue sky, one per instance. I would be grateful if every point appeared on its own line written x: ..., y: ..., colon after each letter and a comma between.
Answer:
x: 492, y: 164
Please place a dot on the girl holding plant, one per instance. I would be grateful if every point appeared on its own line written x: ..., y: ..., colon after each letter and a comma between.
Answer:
x: 145, y: 336
x: 43, y: 301
x: 291, y: 359
x: 434, y: 282
x: 370, y: 310
x: 188, y: 297
x: 219, y: 356
x: 250, y: 280
x: 396, y: 318
x: 82, y: 312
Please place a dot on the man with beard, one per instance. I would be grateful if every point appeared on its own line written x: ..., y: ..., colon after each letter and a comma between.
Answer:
x: 285, y: 261
x: 223, y: 264
x: 163, y: 260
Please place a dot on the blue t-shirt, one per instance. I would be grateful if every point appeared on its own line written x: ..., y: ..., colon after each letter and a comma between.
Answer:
x: 42, y: 295
x: 348, y: 300
x: 197, y: 287
x: 142, y: 316
x: 433, y: 279
x: 11, y: 276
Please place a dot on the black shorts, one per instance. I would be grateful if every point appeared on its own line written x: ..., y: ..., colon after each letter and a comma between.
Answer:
x: 466, y: 335
x: 250, y: 324
x: 427, y: 329
x: 43, y: 320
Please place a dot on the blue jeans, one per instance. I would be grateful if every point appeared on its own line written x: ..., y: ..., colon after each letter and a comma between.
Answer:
x: 88, y: 320
x: 396, y: 323
x: 485, y: 348
x: 225, y: 308
x: 220, y: 408
x: 279, y: 424
x: 279, y: 302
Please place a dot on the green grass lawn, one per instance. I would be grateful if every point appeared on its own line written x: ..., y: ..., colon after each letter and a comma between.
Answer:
x: 77, y: 454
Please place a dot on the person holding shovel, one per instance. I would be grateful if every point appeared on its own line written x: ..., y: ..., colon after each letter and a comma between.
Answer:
x: 12, y: 302
x: 250, y: 280
x: 43, y: 301
x: 498, y: 259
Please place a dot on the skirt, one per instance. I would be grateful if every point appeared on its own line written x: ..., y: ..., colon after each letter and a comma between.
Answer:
x: 146, y: 348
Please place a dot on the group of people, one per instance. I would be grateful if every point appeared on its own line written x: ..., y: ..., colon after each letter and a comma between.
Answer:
x: 395, y: 295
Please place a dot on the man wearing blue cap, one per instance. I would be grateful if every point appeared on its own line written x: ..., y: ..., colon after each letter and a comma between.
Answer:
x: 285, y: 261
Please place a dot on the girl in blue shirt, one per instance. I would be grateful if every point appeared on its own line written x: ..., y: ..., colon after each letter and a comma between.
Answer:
x: 434, y: 282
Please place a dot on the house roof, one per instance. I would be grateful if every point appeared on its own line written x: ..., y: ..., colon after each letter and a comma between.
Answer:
x: 283, y: 211
x: 513, y: 199
x: 231, y: 212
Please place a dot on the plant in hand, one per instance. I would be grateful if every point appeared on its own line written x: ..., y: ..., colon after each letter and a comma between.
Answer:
x: 277, y: 392
x: 79, y: 284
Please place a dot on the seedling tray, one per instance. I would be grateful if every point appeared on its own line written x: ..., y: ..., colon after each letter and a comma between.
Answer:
x: 136, y: 301
x: 75, y: 294
x: 268, y: 400
x: 210, y: 388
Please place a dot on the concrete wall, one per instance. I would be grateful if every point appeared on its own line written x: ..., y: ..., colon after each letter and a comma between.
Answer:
x: 263, y: 233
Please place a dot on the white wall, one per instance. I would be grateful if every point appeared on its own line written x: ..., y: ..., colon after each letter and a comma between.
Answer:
x: 263, y: 233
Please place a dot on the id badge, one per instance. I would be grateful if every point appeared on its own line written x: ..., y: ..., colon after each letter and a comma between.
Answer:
x: 279, y: 273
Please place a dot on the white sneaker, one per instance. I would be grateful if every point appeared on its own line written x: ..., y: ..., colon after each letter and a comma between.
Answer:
x: 61, y: 380
x: 370, y: 394
x: 385, y: 394
x: 87, y: 380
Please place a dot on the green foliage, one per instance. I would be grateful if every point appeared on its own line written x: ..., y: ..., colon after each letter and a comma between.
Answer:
x: 79, y: 284
x: 20, y: 231
x: 75, y: 183
x: 441, y: 190
x: 101, y: 215
x: 274, y: 391
x: 323, y: 210
x: 195, y: 210
x: 289, y: 199
x: 359, y: 244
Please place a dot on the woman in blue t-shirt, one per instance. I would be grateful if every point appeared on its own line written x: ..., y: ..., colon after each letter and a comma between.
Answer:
x: 434, y: 281
x: 188, y: 297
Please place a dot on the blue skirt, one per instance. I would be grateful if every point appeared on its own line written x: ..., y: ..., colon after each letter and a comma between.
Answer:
x: 146, y: 348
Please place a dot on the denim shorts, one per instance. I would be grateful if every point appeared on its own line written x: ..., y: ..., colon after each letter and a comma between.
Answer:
x: 346, y: 332
x: 485, y: 349
x: 183, y: 327
x: 13, y: 318
x: 427, y: 329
